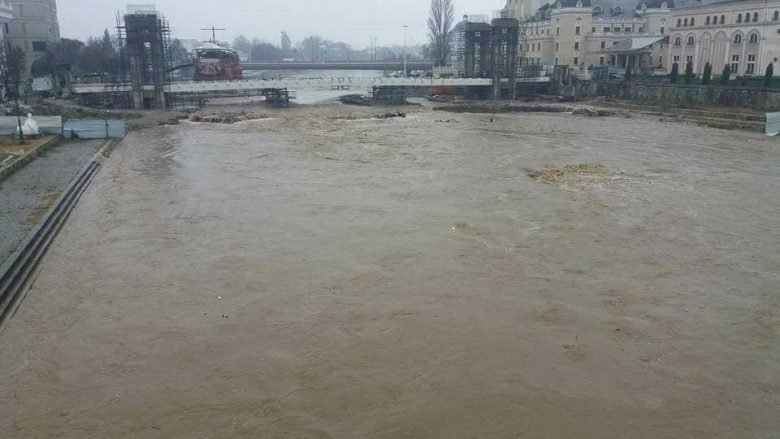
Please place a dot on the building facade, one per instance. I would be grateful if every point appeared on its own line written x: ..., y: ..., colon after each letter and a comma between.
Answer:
x: 34, y: 28
x: 522, y: 9
x: 742, y: 34
x: 6, y: 15
x: 585, y: 33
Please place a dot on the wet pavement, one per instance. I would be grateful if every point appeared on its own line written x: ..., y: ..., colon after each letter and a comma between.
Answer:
x: 320, y: 274
x: 26, y: 195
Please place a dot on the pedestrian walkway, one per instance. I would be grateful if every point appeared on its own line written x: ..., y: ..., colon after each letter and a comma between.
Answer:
x: 26, y: 195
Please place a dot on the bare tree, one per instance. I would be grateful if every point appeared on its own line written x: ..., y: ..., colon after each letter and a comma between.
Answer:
x: 440, y: 25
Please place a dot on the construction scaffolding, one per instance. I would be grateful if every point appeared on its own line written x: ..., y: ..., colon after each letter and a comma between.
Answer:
x: 474, y: 50
x: 144, y: 37
x: 504, y: 42
x: 491, y: 51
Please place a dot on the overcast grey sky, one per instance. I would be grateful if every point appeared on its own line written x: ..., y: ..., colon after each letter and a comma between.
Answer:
x: 351, y: 21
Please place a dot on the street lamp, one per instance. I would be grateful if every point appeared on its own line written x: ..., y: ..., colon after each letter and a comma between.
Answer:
x: 405, y: 27
x: 19, y: 123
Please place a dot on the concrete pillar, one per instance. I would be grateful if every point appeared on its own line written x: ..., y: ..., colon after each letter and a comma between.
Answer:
x: 136, y: 81
x: 159, y: 75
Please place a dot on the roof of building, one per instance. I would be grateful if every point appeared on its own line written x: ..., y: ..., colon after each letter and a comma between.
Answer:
x: 656, y: 4
x: 698, y: 3
x: 607, y: 8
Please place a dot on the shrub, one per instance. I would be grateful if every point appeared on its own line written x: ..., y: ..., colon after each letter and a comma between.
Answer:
x: 675, y: 75
x: 726, y: 75
x: 707, y: 76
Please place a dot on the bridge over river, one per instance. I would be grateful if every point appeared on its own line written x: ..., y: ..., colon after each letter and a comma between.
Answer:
x: 347, y: 83
x: 341, y: 65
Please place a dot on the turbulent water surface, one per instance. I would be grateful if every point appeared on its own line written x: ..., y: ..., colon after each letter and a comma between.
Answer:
x: 323, y: 274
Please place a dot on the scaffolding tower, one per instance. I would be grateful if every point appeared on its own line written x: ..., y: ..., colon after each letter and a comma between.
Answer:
x: 504, y: 42
x: 144, y: 38
x: 474, y: 49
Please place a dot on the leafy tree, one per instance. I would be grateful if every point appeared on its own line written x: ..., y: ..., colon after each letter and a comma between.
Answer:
x: 242, y: 44
x: 440, y: 30
x: 726, y: 75
x: 263, y: 51
x: 689, y: 73
x: 675, y: 75
x: 64, y: 55
x: 707, y: 76
x: 286, y: 44
x: 313, y: 48
x: 177, y: 54
x: 770, y: 72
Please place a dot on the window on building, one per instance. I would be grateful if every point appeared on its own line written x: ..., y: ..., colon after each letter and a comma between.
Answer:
x: 660, y: 60
x: 557, y: 31
x: 628, y: 29
x: 662, y: 30
x: 576, y: 60
x: 751, y: 65
x: 678, y: 42
x: 677, y: 59
x: 691, y: 41
x: 607, y: 29
x: 707, y: 21
x: 693, y: 21
x: 679, y: 22
x: 577, y: 30
x: 689, y: 59
x: 617, y: 29
x: 738, y: 39
x: 577, y: 45
x: 753, y: 38
x: 593, y: 30
x: 739, y: 18
x: 747, y: 17
x: 39, y: 46
x: 755, y: 16
x: 641, y: 29
x: 601, y: 60
x: 722, y: 19
x: 603, y: 45
x: 685, y: 22
x: 735, y: 64
x: 776, y: 16
x: 539, y: 47
x: 7, y: 29
x: 556, y: 47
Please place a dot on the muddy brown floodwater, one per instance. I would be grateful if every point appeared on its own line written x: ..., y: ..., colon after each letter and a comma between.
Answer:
x: 320, y: 274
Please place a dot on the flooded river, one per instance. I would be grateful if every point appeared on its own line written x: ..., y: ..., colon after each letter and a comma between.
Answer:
x: 323, y: 274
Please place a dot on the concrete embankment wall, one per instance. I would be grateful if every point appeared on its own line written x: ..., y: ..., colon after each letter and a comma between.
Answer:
x: 761, y: 99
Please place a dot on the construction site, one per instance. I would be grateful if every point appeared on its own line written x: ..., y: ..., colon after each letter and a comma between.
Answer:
x: 453, y: 255
x: 490, y: 67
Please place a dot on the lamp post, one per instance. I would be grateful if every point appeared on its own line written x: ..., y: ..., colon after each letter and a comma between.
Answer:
x: 19, y: 122
x: 405, y: 27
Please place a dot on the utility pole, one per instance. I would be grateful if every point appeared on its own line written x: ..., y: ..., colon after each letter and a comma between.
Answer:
x: 213, y: 33
x: 405, y: 28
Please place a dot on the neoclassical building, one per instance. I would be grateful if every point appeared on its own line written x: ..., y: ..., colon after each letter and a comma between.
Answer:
x: 34, y: 27
x: 743, y: 34
x: 585, y: 33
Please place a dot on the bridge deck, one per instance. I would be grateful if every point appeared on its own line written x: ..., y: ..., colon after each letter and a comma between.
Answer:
x: 295, y: 84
